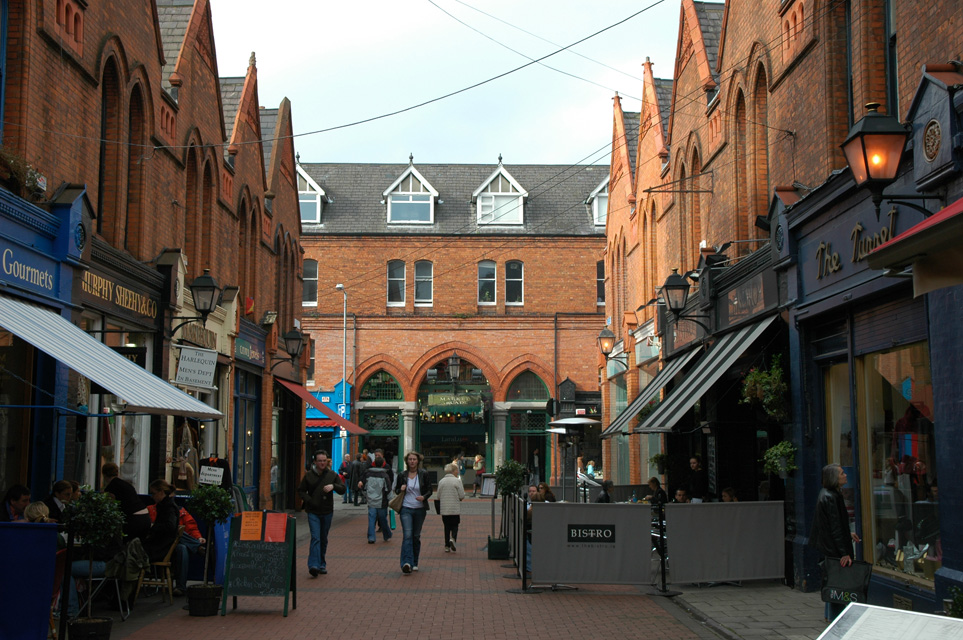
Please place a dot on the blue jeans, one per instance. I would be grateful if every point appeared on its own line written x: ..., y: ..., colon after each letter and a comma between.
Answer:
x: 182, y: 551
x: 381, y: 517
x: 81, y: 569
x: 319, y: 526
x: 411, y: 522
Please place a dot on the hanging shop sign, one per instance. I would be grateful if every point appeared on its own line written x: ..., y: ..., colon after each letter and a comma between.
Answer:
x: 195, y: 367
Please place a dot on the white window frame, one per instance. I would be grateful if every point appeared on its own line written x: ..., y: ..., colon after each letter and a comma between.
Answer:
x: 600, y: 194
x: 598, y: 280
x: 306, y: 279
x: 485, y: 199
x: 314, y: 191
x: 404, y: 282
x: 519, y: 280
x: 402, y: 190
x: 421, y: 302
x: 493, y: 280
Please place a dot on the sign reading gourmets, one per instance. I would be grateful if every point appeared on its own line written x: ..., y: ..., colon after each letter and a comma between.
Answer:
x: 27, y: 269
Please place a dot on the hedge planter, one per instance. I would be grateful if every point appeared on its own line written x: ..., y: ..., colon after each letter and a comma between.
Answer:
x: 204, y: 600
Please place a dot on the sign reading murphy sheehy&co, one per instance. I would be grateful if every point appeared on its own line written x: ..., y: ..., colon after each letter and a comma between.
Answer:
x: 117, y: 296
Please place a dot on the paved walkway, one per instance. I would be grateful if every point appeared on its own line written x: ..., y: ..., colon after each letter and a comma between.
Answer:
x: 464, y: 595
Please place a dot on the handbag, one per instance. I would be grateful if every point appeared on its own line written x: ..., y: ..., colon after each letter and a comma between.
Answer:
x: 842, y: 585
x: 396, y: 502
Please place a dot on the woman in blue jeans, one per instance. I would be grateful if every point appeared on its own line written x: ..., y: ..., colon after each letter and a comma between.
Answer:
x: 414, y: 483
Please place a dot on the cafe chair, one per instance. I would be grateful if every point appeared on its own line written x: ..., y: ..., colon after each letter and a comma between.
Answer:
x: 160, y: 572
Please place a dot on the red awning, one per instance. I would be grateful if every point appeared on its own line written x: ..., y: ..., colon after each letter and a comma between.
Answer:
x: 931, y: 247
x: 305, y: 395
x: 321, y: 422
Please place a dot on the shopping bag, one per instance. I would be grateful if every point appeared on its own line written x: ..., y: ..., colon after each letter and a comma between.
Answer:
x: 396, y: 502
x: 842, y: 585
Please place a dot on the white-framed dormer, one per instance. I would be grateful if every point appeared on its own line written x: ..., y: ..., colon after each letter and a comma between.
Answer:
x: 311, y: 198
x: 410, y: 199
x: 599, y: 199
x: 500, y: 200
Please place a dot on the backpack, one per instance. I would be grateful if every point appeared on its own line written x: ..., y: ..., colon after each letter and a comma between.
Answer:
x: 375, y: 489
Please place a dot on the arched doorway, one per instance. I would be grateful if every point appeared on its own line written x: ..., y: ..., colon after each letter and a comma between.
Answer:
x: 527, y: 420
x: 382, y: 400
x: 454, y: 415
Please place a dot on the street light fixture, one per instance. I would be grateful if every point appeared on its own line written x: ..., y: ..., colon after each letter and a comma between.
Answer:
x: 454, y: 368
x: 206, y: 293
x: 873, y: 150
x: 675, y: 293
x: 293, y: 346
x: 606, y: 341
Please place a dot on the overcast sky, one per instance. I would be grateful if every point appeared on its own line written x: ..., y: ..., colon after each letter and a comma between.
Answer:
x: 341, y: 62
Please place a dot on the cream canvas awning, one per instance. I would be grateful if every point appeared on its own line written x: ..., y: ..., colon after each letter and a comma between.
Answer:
x: 141, y: 390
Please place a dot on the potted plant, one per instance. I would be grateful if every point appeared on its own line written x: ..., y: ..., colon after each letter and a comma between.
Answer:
x: 766, y: 388
x: 211, y: 503
x: 510, y: 477
x: 660, y: 461
x: 780, y: 458
x: 96, y: 521
x: 953, y: 606
x: 648, y: 408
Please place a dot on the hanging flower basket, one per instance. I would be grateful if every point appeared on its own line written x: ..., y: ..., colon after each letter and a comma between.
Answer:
x: 780, y: 459
x: 766, y: 389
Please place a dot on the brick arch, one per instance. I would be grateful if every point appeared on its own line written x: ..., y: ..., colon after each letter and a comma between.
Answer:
x: 740, y: 131
x: 113, y: 114
x: 383, y: 362
x: 208, y: 209
x: 519, y: 365
x: 113, y: 47
x: 697, y: 228
x: 420, y: 368
x: 759, y: 148
x: 138, y: 128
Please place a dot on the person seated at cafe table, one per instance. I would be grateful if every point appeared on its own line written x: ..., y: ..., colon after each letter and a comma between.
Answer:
x: 729, y: 495
x: 136, y: 518
x: 681, y: 496
x: 656, y: 494
x: 14, y: 502
x: 162, y: 533
x: 191, y: 542
x: 59, y: 498
x: 605, y: 496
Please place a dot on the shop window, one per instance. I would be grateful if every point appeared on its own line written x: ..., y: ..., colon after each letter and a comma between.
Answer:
x: 901, y: 522
x: 527, y: 386
x: 381, y: 386
x: 514, y: 283
x: 246, y: 432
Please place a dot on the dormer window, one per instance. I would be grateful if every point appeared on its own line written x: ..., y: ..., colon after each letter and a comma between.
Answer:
x: 500, y: 200
x: 311, y: 198
x: 600, y: 203
x: 411, y: 199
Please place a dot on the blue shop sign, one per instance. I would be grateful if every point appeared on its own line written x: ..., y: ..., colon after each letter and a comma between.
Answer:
x: 28, y: 270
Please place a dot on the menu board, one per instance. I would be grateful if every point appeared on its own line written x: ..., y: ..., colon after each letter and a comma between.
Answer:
x: 260, y: 558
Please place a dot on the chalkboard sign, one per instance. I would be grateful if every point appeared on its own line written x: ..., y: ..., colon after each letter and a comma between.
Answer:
x: 260, y: 557
x: 488, y: 485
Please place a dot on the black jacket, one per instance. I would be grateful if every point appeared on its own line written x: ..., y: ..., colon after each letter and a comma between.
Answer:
x: 424, y: 481
x: 164, y: 530
x: 316, y: 501
x: 830, y: 532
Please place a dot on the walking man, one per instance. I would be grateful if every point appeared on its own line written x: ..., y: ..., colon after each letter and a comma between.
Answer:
x: 345, y: 472
x: 375, y: 481
x: 316, y: 489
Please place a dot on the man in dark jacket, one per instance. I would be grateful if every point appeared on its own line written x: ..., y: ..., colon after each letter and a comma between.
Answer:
x: 375, y: 484
x: 316, y: 489
x: 354, y: 476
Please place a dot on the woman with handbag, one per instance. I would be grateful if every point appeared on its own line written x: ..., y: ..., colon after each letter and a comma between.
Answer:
x: 830, y: 532
x: 415, y: 485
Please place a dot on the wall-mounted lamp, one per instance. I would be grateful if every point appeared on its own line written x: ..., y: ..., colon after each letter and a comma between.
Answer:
x: 293, y: 345
x: 873, y: 150
x: 606, y: 342
x: 675, y: 293
x: 206, y: 294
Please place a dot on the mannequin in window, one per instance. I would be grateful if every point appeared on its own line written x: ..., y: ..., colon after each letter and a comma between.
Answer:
x: 185, y: 460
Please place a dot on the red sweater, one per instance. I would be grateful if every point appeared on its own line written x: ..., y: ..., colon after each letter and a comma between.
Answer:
x: 184, y: 518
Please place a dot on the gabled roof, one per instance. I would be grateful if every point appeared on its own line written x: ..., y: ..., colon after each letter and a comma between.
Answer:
x: 500, y: 171
x: 174, y: 17
x: 663, y: 92
x: 269, y: 122
x: 555, y: 206
x: 633, y: 121
x: 231, y: 89
x: 710, y: 21
x: 410, y: 170
x: 311, y: 182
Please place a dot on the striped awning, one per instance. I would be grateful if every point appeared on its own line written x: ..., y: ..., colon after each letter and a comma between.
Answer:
x: 651, y: 392
x: 142, y: 391
x: 309, y: 398
x: 716, y: 362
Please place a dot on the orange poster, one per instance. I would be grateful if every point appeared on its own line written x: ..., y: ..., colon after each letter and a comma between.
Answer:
x: 275, y: 527
x: 251, y: 525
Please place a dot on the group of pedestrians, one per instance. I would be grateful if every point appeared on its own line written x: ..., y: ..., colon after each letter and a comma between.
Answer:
x: 375, y: 483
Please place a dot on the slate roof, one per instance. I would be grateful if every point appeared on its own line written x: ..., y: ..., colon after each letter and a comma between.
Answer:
x: 663, y: 93
x: 555, y: 206
x: 231, y: 89
x: 174, y: 17
x: 710, y: 21
x: 269, y: 122
x: 633, y: 121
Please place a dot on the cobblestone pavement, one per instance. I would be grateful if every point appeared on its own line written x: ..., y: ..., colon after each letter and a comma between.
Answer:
x: 464, y: 594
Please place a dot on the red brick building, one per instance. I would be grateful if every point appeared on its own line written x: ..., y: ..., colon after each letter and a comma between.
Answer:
x: 490, y: 267
x: 122, y: 102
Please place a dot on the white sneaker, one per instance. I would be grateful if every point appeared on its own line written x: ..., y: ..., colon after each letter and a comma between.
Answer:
x: 406, y: 568
x: 414, y: 568
x: 452, y: 544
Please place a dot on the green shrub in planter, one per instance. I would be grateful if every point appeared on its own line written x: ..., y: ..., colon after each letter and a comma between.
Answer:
x: 96, y: 520
x: 511, y: 477
x: 211, y: 503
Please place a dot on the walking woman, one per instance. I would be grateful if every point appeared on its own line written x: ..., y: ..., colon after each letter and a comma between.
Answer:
x: 450, y: 494
x: 414, y: 483
x: 831, y: 533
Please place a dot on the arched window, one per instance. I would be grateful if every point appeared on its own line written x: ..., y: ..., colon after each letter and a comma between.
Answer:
x: 381, y: 386
x: 309, y: 297
x: 742, y: 173
x: 396, y: 283
x: 133, y: 225
x: 760, y: 151
x: 110, y: 151
x: 209, y: 200
x: 486, y: 282
x: 192, y: 212
x: 527, y: 386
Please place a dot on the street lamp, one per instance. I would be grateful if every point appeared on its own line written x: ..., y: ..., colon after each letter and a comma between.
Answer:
x: 454, y: 368
x: 873, y: 150
x: 344, y: 347
x: 675, y: 293
x: 606, y: 341
x: 293, y: 346
x: 206, y: 294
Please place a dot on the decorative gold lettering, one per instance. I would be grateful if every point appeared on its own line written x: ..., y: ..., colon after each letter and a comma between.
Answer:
x: 26, y: 273
x: 827, y: 261
x: 862, y: 246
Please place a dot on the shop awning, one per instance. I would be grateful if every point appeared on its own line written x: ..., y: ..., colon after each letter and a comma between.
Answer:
x: 932, y: 247
x: 306, y: 395
x: 316, y: 425
x: 57, y: 337
x: 648, y: 394
x: 716, y: 362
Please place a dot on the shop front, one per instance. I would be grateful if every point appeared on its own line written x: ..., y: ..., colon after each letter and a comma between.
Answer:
x: 250, y: 359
